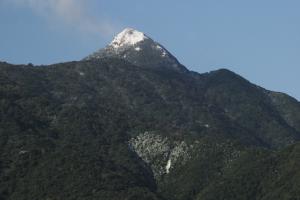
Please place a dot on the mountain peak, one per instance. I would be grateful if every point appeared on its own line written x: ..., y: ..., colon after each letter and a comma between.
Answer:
x: 139, y: 49
x: 128, y: 36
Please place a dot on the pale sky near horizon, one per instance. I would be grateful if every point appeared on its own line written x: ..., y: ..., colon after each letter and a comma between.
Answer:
x: 258, y: 39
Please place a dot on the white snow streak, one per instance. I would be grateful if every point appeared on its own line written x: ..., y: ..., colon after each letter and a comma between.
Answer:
x: 168, y: 166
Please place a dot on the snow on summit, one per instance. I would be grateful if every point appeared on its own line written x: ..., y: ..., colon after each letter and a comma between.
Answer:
x: 128, y: 36
x: 137, y: 48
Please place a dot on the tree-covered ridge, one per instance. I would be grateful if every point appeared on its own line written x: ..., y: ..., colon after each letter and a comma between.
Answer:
x: 65, y: 133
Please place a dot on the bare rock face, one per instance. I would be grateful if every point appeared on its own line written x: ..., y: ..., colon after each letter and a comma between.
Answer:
x: 163, y: 154
x: 160, y: 152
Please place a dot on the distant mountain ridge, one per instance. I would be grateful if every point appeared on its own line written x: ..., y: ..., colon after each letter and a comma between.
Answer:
x: 140, y: 127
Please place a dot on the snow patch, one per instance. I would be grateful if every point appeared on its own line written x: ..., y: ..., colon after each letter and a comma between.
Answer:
x: 137, y: 48
x: 128, y: 36
x: 162, y: 50
x: 159, y: 47
x: 164, y: 54
x: 168, y: 166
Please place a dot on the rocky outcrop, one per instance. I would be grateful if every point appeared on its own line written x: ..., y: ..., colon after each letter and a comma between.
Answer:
x: 161, y: 153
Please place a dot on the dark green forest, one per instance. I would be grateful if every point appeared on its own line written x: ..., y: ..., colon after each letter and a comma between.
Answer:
x: 65, y: 132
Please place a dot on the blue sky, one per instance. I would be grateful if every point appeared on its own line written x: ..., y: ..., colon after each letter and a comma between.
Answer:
x: 258, y: 39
